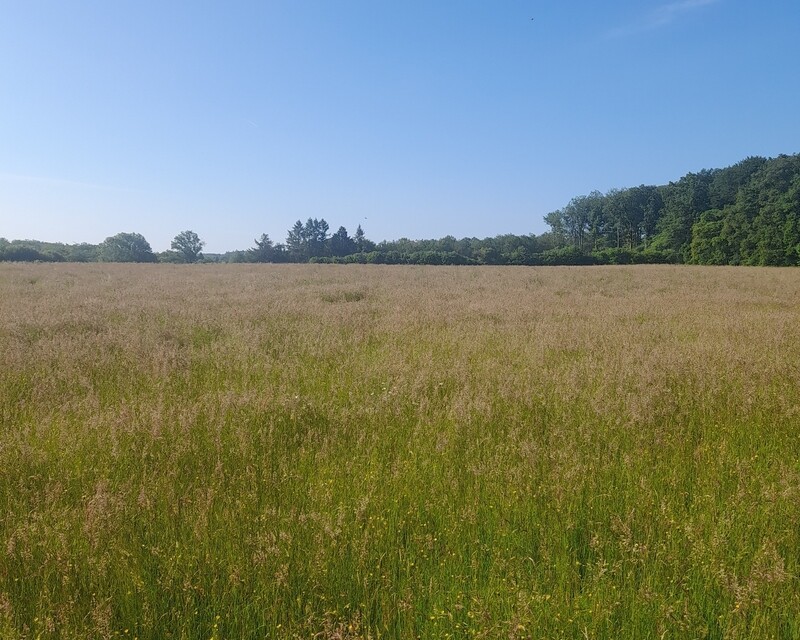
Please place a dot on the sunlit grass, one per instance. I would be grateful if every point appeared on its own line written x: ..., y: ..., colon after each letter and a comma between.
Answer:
x: 354, y: 452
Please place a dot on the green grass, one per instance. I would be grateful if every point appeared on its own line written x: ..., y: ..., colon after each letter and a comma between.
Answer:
x: 256, y: 452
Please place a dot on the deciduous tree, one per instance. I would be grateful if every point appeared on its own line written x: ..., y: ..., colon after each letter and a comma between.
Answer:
x: 188, y: 245
x: 126, y: 247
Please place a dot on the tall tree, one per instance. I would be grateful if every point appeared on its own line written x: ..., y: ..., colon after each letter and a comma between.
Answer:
x: 316, y: 237
x: 341, y: 244
x: 296, y: 243
x: 558, y: 226
x: 188, y: 245
x: 360, y: 239
x: 632, y: 215
x: 264, y: 251
x: 581, y: 223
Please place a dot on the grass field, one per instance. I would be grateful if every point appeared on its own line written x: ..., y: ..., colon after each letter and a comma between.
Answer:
x: 399, y: 452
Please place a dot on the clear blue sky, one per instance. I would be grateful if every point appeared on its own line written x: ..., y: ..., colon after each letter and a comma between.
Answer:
x: 415, y: 118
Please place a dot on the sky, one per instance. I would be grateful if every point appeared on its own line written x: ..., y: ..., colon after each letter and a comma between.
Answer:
x: 414, y: 119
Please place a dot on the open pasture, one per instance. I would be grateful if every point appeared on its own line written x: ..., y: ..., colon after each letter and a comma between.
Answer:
x: 399, y: 452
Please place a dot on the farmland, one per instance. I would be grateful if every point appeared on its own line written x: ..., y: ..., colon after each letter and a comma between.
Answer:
x: 350, y: 451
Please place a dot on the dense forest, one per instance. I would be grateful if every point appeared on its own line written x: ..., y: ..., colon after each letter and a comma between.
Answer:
x: 747, y: 214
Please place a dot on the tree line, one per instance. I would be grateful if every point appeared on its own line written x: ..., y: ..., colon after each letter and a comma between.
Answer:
x: 748, y: 213
x: 186, y: 247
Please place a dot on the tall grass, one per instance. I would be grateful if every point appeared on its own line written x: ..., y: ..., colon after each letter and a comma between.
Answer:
x: 379, y: 452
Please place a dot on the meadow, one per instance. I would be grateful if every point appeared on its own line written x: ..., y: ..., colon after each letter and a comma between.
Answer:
x: 342, y: 452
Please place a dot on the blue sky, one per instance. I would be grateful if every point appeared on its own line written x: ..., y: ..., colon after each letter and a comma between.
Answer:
x: 416, y: 118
